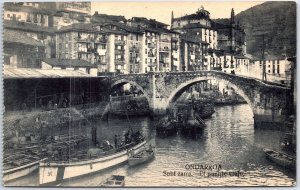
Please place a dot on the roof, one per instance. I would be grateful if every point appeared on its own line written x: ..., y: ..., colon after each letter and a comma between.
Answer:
x: 12, y: 36
x: 270, y: 57
x: 88, y: 27
x: 27, y: 26
x: 197, y: 25
x: 9, y: 6
x: 190, y: 38
x: 200, y: 14
x: 68, y: 62
x: 12, y: 73
x: 100, y: 17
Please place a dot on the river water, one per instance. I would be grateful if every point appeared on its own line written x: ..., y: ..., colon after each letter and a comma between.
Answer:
x: 229, y: 142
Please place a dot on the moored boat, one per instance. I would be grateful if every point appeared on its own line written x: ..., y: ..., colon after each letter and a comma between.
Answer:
x: 141, y: 157
x: 55, y: 171
x: 19, y: 165
x: 281, y: 158
x: 166, y: 127
x: 114, y: 181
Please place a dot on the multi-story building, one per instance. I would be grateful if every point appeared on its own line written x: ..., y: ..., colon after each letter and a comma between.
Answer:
x: 21, y: 50
x: 198, y: 24
x: 29, y: 14
x: 191, y: 53
x: 165, y: 51
x: 45, y: 35
x: 83, y: 42
x: 175, y: 58
x: 277, y: 69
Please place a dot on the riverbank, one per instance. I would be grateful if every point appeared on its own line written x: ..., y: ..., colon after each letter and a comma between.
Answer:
x: 24, y: 127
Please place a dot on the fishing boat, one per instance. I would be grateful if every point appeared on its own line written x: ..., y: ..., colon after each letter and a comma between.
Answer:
x: 204, y: 109
x: 19, y: 165
x: 114, y: 181
x: 281, y: 158
x: 55, y: 171
x: 141, y: 157
x: 166, y: 127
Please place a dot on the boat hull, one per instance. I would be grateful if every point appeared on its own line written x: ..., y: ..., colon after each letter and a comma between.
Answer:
x: 137, y: 161
x: 9, y: 175
x: 52, y: 172
x: 287, y: 163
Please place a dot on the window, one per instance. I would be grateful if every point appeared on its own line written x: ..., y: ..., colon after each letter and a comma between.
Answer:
x: 131, y: 36
x: 278, y: 68
x: 136, y: 37
x: 8, y: 15
x: 145, y: 51
x: 146, y: 60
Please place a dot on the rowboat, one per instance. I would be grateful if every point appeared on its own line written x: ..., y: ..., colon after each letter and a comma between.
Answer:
x: 281, y: 158
x: 141, y: 157
x: 19, y: 165
x: 55, y: 171
x: 114, y: 181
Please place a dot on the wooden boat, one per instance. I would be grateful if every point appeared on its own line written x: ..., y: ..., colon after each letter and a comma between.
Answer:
x: 166, y: 127
x: 281, y: 158
x: 55, y: 171
x: 19, y: 165
x: 141, y: 157
x: 114, y: 181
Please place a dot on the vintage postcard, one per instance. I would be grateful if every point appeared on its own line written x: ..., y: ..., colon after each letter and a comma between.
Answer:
x: 149, y: 94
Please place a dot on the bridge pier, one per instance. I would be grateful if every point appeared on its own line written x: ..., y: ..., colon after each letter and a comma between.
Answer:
x: 158, y: 106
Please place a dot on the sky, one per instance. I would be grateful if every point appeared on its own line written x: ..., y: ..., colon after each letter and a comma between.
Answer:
x: 161, y: 11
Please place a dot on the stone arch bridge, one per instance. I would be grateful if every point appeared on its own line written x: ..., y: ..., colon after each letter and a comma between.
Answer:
x: 269, y: 102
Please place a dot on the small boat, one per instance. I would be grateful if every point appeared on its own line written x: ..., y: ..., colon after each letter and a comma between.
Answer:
x: 114, y: 181
x: 166, y: 127
x: 19, y: 165
x: 281, y: 158
x: 141, y: 157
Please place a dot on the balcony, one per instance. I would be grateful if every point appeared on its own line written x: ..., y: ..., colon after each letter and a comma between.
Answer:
x: 165, y: 40
x: 151, y: 45
x: 134, y: 49
x: 83, y: 40
x: 101, y: 40
x: 166, y: 49
x: 175, y: 47
x: 151, y: 54
x: 120, y: 42
x: 174, y: 39
x: 101, y: 62
x: 119, y: 61
x: 119, y: 51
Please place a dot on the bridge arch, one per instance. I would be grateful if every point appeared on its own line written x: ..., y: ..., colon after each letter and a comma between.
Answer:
x: 133, y: 83
x: 179, y: 89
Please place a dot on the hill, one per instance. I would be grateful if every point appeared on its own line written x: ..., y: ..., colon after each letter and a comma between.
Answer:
x: 276, y: 21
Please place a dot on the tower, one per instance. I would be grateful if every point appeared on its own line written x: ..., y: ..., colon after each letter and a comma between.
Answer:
x: 232, y: 17
x: 172, y: 18
x: 232, y: 33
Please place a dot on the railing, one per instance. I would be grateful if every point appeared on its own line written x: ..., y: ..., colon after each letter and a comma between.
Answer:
x: 119, y: 51
x: 174, y: 39
x: 164, y: 49
x: 120, y: 42
x: 151, y: 45
x: 120, y: 61
x: 151, y: 55
x: 101, y: 40
x: 165, y: 40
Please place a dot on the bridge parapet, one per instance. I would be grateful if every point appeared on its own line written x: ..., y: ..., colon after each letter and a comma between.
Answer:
x: 268, y: 101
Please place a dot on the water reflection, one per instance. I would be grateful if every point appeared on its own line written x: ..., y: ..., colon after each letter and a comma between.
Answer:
x: 229, y: 140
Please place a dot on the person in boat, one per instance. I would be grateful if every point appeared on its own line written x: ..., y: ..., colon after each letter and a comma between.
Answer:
x: 150, y: 149
x: 116, y: 141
